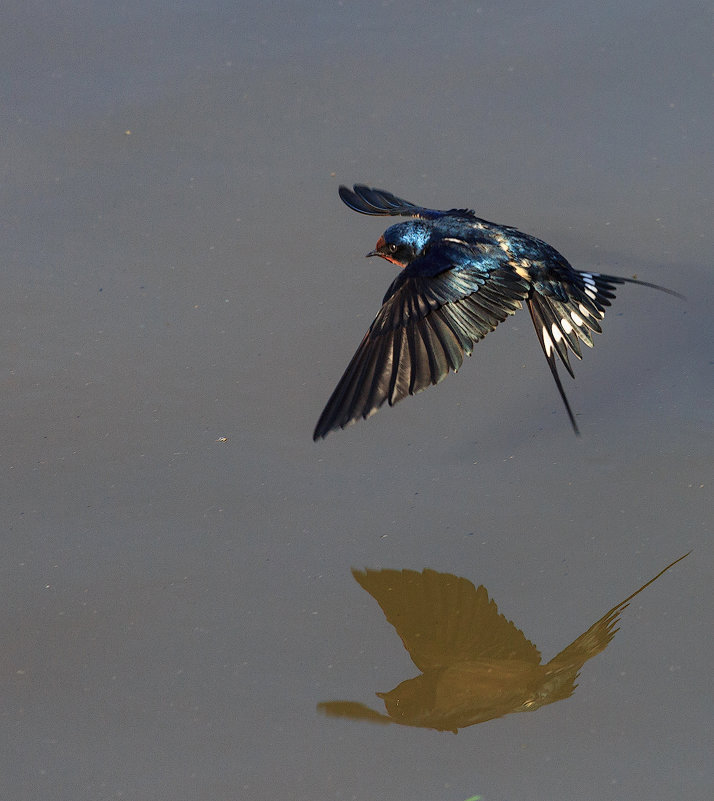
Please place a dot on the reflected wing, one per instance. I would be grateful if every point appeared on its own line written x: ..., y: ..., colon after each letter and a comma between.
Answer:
x: 443, y: 619
x: 428, y: 322
x: 598, y: 636
x: 567, y: 308
x: 352, y: 709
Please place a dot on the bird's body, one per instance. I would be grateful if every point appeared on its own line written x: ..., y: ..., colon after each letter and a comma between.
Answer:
x: 460, y: 277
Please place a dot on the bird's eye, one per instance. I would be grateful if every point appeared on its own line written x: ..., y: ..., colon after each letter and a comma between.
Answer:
x: 391, y: 248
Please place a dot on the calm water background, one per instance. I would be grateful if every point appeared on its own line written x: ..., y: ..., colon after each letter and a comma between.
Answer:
x: 183, y: 288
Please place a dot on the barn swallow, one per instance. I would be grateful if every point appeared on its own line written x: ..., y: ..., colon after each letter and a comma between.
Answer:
x: 460, y: 277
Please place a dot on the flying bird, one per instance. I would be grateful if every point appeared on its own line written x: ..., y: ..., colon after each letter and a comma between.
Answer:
x: 460, y: 277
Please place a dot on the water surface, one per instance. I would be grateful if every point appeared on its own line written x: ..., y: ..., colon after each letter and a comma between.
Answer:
x: 182, y: 290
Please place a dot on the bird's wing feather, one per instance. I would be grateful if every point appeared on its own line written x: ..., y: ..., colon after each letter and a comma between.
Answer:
x: 380, y: 203
x: 425, y: 327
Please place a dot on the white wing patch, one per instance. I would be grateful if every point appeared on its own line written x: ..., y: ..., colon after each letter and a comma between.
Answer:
x: 590, y: 290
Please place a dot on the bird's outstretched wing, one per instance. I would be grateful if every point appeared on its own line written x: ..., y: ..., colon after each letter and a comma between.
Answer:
x: 379, y: 203
x: 427, y: 324
x: 566, y: 308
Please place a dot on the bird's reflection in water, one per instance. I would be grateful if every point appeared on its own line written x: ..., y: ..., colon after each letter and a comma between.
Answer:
x: 475, y: 664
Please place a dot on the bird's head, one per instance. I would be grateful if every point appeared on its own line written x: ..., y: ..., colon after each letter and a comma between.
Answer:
x: 403, y: 242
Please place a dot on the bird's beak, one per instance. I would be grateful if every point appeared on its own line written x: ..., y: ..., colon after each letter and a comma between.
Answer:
x: 377, y: 251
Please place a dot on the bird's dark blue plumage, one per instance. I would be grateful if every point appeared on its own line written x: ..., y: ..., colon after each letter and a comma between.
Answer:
x: 461, y: 276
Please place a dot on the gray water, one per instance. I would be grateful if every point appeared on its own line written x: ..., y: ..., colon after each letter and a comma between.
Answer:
x: 182, y: 290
